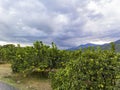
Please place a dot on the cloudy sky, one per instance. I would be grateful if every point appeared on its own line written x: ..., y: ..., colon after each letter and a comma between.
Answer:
x: 68, y: 23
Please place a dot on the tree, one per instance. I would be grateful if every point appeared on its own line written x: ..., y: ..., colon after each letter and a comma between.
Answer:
x: 112, y: 46
x: 92, y: 70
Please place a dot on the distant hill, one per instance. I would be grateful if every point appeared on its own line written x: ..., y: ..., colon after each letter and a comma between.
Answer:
x: 83, y: 46
x: 104, y: 46
x: 107, y: 46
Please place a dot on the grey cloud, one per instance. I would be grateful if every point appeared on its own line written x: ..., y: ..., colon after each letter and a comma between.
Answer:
x: 67, y: 23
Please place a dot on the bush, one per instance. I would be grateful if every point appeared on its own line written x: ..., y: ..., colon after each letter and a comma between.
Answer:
x: 38, y: 59
x: 93, y: 70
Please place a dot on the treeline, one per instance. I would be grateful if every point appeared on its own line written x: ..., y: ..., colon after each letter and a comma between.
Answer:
x: 91, y: 69
x: 7, y: 53
x: 39, y: 58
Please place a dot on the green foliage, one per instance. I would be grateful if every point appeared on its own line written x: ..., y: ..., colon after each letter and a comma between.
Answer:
x: 112, y: 46
x: 38, y: 58
x: 88, y: 69
x: 7, y: 53
x: 92, y: 70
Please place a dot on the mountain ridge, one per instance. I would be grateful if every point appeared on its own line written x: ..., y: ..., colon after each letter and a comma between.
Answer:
x: 104, y: 46
x: 83, y: 46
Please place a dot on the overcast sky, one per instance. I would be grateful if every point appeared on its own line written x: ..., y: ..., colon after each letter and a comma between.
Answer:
x: 68, y: 23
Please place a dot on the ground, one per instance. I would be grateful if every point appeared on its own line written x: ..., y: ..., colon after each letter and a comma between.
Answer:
x: 21, y: 83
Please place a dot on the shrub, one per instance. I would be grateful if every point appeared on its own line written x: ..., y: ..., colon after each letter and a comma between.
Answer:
x: 93, y: 70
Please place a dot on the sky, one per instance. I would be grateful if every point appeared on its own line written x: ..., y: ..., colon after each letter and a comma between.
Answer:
x: 67, y: 23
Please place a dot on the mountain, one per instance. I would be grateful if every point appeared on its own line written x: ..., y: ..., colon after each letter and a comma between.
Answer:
x: 104, y: 46
x: 83, y: 46
x: 108, y: 46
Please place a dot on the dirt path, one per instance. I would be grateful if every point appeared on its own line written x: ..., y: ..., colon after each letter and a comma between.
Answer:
x: 4, y: 86
x: 8, y: 80
x: 4, y: 72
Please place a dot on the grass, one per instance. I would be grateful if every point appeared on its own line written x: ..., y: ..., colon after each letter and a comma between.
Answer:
x: 20, y: 82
